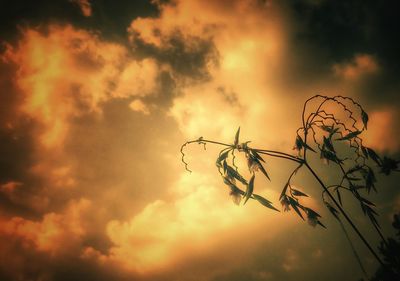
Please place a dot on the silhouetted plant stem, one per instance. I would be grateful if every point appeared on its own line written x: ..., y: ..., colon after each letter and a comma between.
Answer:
x: 344, y: 214
x: 353, y: 250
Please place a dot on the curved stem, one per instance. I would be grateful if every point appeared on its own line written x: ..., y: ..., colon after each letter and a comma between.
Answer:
x: 275, y: 152
x: 280, y: 155
x: 345, y: 215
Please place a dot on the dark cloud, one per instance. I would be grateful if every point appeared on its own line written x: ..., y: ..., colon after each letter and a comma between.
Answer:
x: 108, y: 17
x: 187, y: 56
x: 328, y: 32
x: 17, y: 147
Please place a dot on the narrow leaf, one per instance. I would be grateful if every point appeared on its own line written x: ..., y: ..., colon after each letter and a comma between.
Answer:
x: 284, y: 190
x: 250, y: 188
x: 350, y: 135
x: 256, y: 155
x: 374, y: 156
x: 312, y: 212
x: 237, y: 137
x: 328, y: 144
x: 339, y: 197
x: 294, y: 204
x: 263, y: 170
x: 333, y: 211
x: 264, y: 202
x: 326, y: 128
x: 367, y: 201
x: 232, y: 173
x: 364, y: 151
x: 298, y: 193
x: 364, y: 117
x: 222, y: 157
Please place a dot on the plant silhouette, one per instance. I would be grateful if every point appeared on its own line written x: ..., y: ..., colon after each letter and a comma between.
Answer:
x: 390, y: 250
x: 331, y: 129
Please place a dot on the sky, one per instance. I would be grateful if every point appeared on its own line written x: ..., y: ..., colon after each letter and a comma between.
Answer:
x: 97, y: 97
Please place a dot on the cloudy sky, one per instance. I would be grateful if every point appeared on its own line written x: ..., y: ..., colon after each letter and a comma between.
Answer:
x: 96, y: 98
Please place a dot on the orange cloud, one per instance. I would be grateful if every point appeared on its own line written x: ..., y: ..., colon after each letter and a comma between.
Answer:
x: 55, y: 234
x: 68, y: 72
x: 242, y: 83
x: 362, y: 64
x: 166, y: 232
x: 382, y: 133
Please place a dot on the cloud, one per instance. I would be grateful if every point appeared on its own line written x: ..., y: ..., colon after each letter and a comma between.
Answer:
x: 91, y: 136
x: 383, y: 131
x: 55, y: 234
x: 166, y: 232
x: 69, y: 72
x: 247, y: 51
x: 361, y: 65
x: 291, y: 260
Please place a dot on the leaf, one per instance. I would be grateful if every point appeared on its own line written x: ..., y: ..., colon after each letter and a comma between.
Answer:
x: 339, y: 196
x: 264, y: 202
x: 237, y: 137
x: 374, y: 156
x: 256, y: 155
x: 233, y: 173
x: 353, y: 179
x: 312, y: 212
x: 350, y: 135
x: 298, y: 144
x: 388, y: 165
x: 298, y: 193
x: 370, y: 179
x: 327, y: 128
x: 354, y: 169
x: 263, y: 170
x: 364, y: 151
x: 333, y: 211
x: 301, y: 144
x: 250, y: 188
x: 222, y: 157
x: 329, y: 155
x: 284, y: 190
x: 334, y: 131
x: 367, y: 201
x: 328, y: 144
x: 364, y: 118
x: 294, y: 205
x: 233, y: 187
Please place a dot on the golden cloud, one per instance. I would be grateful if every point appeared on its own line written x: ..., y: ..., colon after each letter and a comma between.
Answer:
x: 360, y: 65
x: 382, y: 131
x: 164, y: 233
x: 68, y: 72
x: 55, y: 233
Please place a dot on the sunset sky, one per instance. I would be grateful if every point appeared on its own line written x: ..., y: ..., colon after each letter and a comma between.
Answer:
x: 96, y: 98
